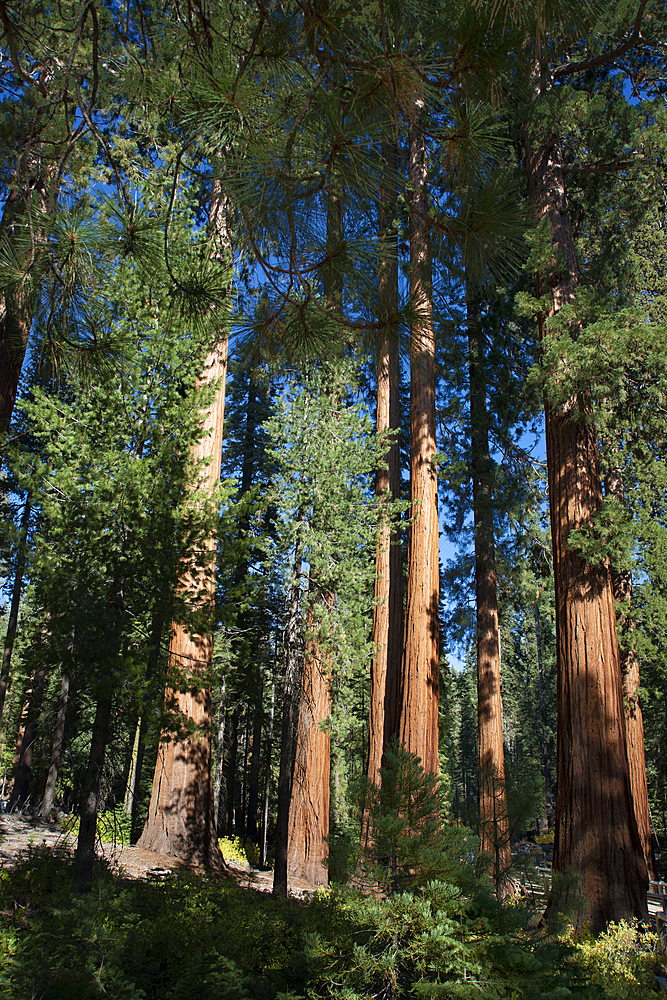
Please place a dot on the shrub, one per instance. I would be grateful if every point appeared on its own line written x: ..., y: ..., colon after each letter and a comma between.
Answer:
x: 621, y: 961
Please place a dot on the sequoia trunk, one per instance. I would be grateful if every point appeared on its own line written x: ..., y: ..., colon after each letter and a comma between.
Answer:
x: 596, y: 832
x: 307, y: 850
x: 181, y: 819
x: 418, y: 731
x: 493, y: 818
x: 384, y: 707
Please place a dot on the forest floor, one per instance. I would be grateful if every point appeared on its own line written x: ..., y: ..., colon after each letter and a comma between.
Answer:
x: 19, y: 833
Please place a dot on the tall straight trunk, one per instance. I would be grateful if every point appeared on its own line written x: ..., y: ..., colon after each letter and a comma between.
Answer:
x: 23, y: 768
x: 130, y: 785
x: 56, y: 752
x: 181, y: 817
x: 384, y: 705
x: 267, y: 773
x: 596, y: 831
x: 85, y: 848
x: 220, y: 757
x: 255, y: 758
x: 308, y: 850
x: 634, y: 721
x: 493, y: 817
x: 230, y: 771
x: 544, y: 749
x: 418, y: 731
x: 288, y: 725
x: 12, y: 624
x: 135, y: 829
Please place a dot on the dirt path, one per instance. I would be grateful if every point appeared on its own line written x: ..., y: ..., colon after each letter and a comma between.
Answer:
x: 19, y: 833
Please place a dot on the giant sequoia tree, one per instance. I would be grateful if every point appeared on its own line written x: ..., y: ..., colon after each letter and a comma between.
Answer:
x: 596, y: 830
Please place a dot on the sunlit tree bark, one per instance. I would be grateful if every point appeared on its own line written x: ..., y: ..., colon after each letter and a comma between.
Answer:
x: 181, y: 816
x: 418, y: 730
x: 596, y: 832
x: 493, y: 817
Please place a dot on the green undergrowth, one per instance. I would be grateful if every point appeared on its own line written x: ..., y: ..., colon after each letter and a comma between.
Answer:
x: 193, y: 938
x: 113, y: 827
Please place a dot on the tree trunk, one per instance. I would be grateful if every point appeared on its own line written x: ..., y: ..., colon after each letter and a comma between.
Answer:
x: 135, y: 829
x: 634, y: 722
x: 220, y: 756
x: 85, y: 848
x: 420, y: 669
x: 12, y: 624
x: 58, y: 735
x: 308, y: 850
x: 17, y: 300
x: 493, y: 817
x: 596, y: 832
x: 384, y: 705
x: 130, y: 786
x: 23, y: 770
x: 181, y: 816
x: 288, y: 724
x: 230, y: 776
x: 255, y: 758
x: 267, y: 774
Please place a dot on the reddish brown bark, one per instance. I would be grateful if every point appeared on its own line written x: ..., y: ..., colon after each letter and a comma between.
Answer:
x: 308, y: 850
x: 384, y: 704
x: 596, y: 832
x: 418, y: 730
x: 634, y: 722
x: 181, y: 815
x: 493, y: 817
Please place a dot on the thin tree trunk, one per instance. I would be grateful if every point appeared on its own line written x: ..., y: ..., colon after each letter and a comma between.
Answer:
x: 420, y: 669
x: 12, y: 624
x: 384, y: 705
x: 255, y: 758
x: 135, y: 829
x: 596, y: 831
x: 56, y: 752
x: 130, y: 786
x: 85, y: 848
x: 544, y: 749
x: 288, y: 725
x: 230, y: 776
x: 634, y: 722
x: 308, y: 850
x: 267, y: 774
x: 220, y: 755
x: 23, y: 770
x: 493, y: 817
x: 181, y: 816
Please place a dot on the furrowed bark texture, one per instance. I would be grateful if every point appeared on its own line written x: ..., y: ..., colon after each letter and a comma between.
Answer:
x: 418, y: 731
x: 596, y: 831
x: 384, y: 706
x: 288, y: 725
x: 307, y: 850
x: 181, y: 817
x: 493, y: 817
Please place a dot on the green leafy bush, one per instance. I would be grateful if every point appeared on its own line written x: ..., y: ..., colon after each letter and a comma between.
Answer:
x: 621, y: 961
